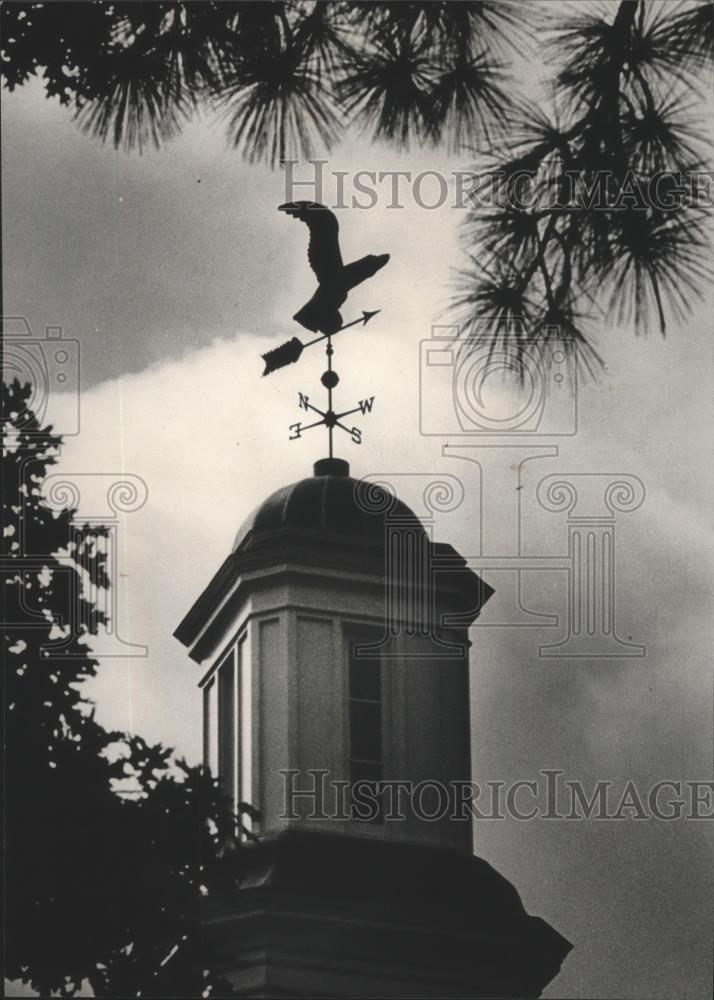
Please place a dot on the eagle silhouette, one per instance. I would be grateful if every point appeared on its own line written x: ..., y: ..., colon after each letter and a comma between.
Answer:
x: 335, y: 279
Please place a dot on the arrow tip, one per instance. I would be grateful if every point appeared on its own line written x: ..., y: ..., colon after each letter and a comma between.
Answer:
x: 367, y: 316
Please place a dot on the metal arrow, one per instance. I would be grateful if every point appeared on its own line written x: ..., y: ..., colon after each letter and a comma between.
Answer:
x: 364, y: 320
x: 290, y: 352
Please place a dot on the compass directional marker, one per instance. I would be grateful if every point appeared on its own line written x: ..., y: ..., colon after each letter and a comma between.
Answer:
x: 297, y: 429
x: 290, y: 352
x: 330, y: 420
x: 305, y: 404
x: 364, y: 406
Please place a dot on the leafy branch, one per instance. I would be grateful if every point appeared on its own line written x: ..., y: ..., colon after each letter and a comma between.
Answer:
x: 592, y: 208
x: 286, y: 74
x: 110, y: 841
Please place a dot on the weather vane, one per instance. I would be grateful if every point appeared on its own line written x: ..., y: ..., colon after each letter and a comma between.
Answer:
x: 321, y: 314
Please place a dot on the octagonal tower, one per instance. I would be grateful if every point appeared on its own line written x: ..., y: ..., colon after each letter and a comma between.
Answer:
x: 321, y: 673
x: 335, y: 653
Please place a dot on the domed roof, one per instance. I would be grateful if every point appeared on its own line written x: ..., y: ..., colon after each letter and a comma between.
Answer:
x: 329, y: 503
x: 324, y: 527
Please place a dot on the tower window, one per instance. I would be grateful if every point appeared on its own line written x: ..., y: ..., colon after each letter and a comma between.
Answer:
x: 207, y: 723
x: 245, y: 709
x: 227, y: 725
x: 366, y: 754
x: 233, y: 732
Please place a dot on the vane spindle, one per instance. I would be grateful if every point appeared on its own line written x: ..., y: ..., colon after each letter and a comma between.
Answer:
x: 329, y: 418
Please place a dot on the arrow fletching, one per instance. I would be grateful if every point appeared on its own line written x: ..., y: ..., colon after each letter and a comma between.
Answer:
x: 287, y: 354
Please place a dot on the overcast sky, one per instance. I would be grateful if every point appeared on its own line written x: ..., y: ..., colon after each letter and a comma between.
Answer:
x: 174, y: 271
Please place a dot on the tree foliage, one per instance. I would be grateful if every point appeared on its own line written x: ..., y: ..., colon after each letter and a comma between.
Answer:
x: 595, y: 207
x: 109, y: 840
x: 290, y: 75
x: 285, y: 73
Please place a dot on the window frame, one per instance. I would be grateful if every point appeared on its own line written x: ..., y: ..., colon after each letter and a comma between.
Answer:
x: 355, y: 634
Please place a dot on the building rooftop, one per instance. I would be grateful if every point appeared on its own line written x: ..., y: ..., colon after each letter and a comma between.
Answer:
x: 329, y: 527
x: 331, y: 504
